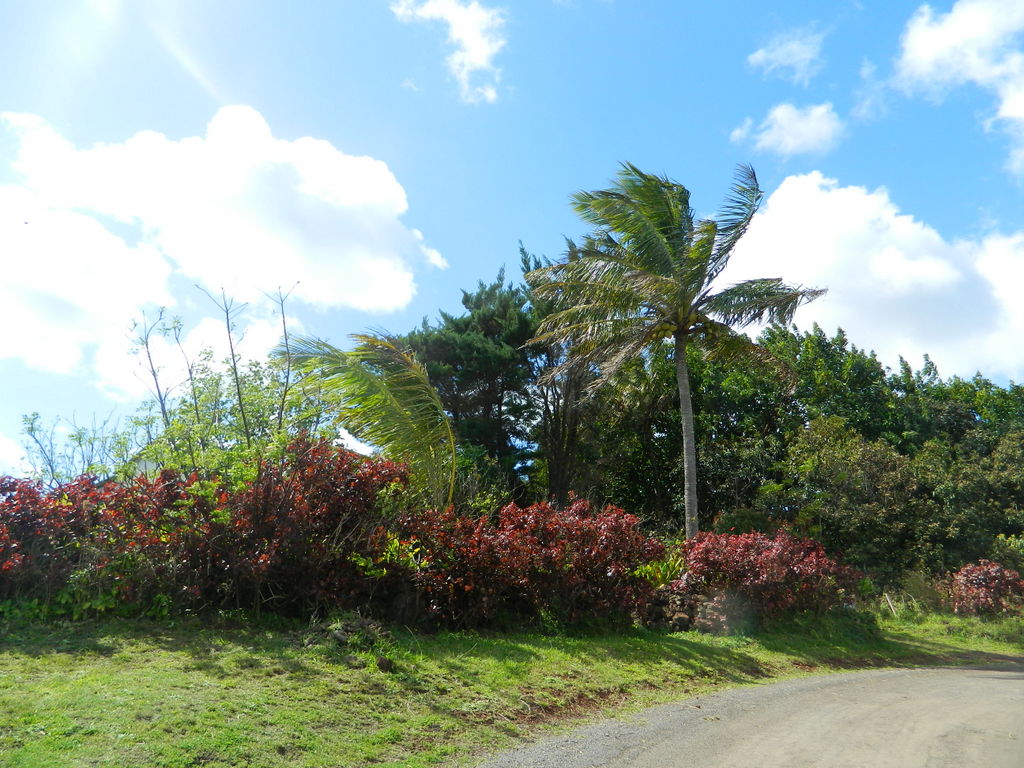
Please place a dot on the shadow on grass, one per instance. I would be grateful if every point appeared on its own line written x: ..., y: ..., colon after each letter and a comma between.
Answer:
x: 855, y: 641
x: 629, y: 646
x: 206, y: 644
x: 222, y: 649
x: 505, y: 682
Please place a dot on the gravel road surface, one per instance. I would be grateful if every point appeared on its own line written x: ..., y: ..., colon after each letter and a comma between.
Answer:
x: 963, y: 717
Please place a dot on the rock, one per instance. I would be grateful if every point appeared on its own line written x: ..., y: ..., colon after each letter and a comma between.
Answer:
x: 670, y: 609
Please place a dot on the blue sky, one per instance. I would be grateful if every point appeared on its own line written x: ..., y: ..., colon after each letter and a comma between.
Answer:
x: 385, y: 154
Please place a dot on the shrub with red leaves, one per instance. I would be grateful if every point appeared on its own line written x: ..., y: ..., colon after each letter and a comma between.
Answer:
x: 767, y: 575
x: 286, y: 541
x: 40, y: 535
x: 986, y: 588
x: 572, y: 564
x: 295, y: 530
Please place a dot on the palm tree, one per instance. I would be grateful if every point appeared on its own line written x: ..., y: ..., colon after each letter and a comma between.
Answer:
x: 647, y: 274
x: 385, y: 399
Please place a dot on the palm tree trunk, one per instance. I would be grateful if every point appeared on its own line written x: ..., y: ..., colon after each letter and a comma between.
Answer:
x: 689, y: 449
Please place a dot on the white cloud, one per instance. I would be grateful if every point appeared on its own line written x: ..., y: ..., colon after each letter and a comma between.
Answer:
x: 977, y: 42
x: 1000, y: 260
x: 89, y: 236
x: 895, y: 284
x: 741, y: 131
x: 354, y: 444
x: 476, y: 31
x: 790, y: 130
x: 795, y: 55
x: 870, y: 96
x: 240, y: 209
x: 68, y: 281
x: 432, y: 255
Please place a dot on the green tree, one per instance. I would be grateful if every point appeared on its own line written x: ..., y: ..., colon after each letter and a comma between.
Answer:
x: 859, y: 498
x: 978, y: 490
x: 633, y: 438
x: 561, y: 412
x: 482, y: 374
x: 836, y: 378
x: 203, y: 430
x: 743, y: 416
x: 222, y: 421
x: 648, y: 272
x: 929, y: 408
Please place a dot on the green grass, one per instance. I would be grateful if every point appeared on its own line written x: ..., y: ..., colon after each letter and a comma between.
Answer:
x: 135, y: 693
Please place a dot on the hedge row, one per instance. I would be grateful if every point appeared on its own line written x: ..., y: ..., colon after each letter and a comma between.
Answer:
x: 313, y: 533
x: 290, y: 541
x: 573, y: 564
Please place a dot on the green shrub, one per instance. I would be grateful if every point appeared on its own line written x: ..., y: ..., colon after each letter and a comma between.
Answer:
x: 924, y: 590
x: 1009, y: 552
x: 664, y: 570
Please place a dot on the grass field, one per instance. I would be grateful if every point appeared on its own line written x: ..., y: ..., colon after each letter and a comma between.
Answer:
x: 216, y: 693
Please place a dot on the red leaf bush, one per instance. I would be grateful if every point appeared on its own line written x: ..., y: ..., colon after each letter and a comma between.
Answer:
x: 571, y: 564
x: 762, y: 576
x: 986, y: 588
x: 299, y: 529
x: 42, y: 534
x: 289, y: 541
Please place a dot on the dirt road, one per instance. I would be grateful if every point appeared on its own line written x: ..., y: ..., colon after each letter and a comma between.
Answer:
x: 940, y: 718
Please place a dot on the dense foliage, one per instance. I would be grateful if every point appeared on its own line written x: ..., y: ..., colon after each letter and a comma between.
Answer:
x: 312, y: 532
x: 481, y: 370
x: 761, y: 576
x: 537, y: 562
x: 290, y: 540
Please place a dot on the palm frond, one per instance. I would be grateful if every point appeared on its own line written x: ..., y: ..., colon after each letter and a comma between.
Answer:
x: 737, y: 213
x: 754, y: 301
x: 627, y: 292
x: 580, y: 325
x: 606, y: 354
x: 385, y: 398
x: 648, y: 215
x: 693, y: 270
